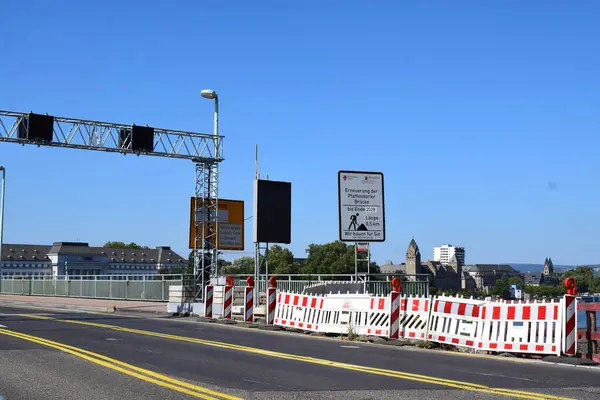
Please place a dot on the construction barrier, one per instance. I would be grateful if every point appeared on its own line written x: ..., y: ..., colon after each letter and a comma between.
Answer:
x: 454, y: 321
x: 522, y: 328
x: 394, y: 313
x: 299, y: 311
x: 227, y: 300
x: 271, y: 304
x: 208, y: 302
x: 360, y: 314
x: 414, y: 317
x: 516, y: 327
x: 249, y: 304
x: 570, y: 323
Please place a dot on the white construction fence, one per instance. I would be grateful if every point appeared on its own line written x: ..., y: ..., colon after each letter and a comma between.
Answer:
x: 515, y: 327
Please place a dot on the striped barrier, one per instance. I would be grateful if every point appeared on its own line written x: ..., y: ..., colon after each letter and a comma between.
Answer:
x: 521, y: 328
x: 271, y: 304
x: 570, y: 323
x: 299, y: 311
x: 414, y: 317
x: 227, y: 300
x: 394, y: 314
x: 516, y: 327
x: 455, y: 321
x: 208, y: 302
x: 249, y: 304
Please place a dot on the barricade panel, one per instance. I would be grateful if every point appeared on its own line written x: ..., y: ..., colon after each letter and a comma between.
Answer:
x: 455, y: 321
x: 521, y: 328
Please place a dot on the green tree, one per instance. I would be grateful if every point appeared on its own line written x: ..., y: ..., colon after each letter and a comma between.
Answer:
x: 501, y: 287
x: 242, y: 265
x: 331, y: 258
x: 515, y: 280
x: 123, y: 245
x: 281, y: 261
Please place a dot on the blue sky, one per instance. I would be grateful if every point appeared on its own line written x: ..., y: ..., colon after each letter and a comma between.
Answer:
x: 483, y: 116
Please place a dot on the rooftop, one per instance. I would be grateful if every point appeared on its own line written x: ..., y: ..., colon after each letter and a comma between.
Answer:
x: 29, y: 252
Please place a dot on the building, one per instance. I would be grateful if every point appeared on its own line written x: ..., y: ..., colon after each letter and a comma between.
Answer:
x: 75, y: 258
x: 446, y: 276
x: 515, y: 292
x: 486, y: 275
x: 548, y: 267
x: 445, y: 252
x: 533, y: 278
x: 391, y: 268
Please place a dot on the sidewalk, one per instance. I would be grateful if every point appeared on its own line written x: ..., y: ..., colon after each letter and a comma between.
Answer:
x: 75, y: 303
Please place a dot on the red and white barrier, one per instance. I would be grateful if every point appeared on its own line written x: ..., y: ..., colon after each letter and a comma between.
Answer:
x: 361, y: 314
x: 227, y: 301
x: 414, y: 317
x: 299, y: 311
x: 455, y: 321
x: 271, y: 304
x: 394, y: 314
x: 569, y: 306
x: 249, y: 304
x: 521, y: 328
x: 208, y: 302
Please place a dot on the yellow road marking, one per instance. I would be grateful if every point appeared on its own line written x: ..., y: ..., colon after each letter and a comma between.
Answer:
x: 353, y: 367
x: 131, y: 370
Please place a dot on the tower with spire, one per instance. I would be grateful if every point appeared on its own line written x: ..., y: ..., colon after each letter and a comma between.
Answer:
x: 548, y: 267
x: 413, y: 258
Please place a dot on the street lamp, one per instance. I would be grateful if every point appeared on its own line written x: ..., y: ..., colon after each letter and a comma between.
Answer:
x: 2, y: 215
x: 214, y: 172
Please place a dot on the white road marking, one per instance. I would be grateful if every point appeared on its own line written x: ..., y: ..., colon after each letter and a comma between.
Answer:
x: 112, y: 339
x: 350, y: 347
x: 2, y: 326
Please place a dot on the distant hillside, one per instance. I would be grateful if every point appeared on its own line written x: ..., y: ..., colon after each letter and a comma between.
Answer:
x: 540, y: 267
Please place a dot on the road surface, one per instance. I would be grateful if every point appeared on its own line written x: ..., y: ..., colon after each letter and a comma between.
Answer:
x: 52, y: 354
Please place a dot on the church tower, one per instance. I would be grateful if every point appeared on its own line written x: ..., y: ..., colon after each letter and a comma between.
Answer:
x: 548, y: 266
x: 413, y: 258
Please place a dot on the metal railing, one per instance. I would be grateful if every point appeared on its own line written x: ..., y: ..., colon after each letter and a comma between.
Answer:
x: 376, y: 284
x: 117, y: 287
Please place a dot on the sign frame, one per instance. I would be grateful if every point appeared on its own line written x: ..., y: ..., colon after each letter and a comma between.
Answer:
x: 237, y: 203
x: 381, y: 188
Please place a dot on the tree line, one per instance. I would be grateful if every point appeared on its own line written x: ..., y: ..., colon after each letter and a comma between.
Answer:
x: 330, y: 258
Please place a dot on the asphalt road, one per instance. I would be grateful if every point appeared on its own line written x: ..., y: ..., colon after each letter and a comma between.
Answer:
x: 219, y: 361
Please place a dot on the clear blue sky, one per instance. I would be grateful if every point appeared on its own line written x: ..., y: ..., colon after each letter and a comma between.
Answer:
x: 484, y: 117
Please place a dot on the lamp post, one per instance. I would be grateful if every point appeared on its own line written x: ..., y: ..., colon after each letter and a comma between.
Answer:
x: 214, y: 173
x: 2, y: 215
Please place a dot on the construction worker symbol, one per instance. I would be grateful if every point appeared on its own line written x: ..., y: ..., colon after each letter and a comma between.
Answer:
x: 354, y: 226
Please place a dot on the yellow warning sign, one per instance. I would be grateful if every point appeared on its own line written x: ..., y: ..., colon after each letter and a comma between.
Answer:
x: 230, y: 220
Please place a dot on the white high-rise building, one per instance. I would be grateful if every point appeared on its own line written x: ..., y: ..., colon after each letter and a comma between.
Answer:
x: 444, y: 253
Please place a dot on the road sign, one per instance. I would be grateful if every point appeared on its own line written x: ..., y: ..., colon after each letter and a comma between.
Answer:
x: 230, y: 218
x: 361, y: 206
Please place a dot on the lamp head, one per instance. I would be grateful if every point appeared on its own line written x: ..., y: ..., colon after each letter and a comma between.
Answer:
x: 208, y: 94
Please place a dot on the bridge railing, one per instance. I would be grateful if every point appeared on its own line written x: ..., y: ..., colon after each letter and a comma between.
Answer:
x: 377, y: 284
x: 147, y: 287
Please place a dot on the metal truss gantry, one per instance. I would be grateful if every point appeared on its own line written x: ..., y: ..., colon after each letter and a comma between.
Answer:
x: 205, y: 150
x: 104, y: 136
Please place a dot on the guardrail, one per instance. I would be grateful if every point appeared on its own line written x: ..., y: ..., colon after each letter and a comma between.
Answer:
x: 117, y: 287
x: 592, y: 336
x: 378, y: 284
